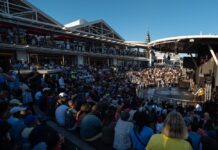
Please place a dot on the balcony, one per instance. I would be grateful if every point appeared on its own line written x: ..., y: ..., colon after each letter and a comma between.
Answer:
x: 44, y: 44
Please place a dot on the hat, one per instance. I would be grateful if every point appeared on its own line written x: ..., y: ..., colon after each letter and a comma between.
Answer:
x: 15, y: 102
x: 62, y: 94
x: 17, y: 109
x: 30, y: 119
x: 46, y: 89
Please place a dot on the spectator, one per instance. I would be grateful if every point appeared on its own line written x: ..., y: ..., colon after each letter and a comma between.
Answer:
x: 61, y: 82
x: 54, y: 141
x: 60, y: 113
x: 5, y: 139
x: 70, y: 116
x: 38, y: 137
x: 91, y: 127
x: 193, y: 135
x: 159, y: 124
x: 17, y: 123
x: 38, y: 96
x: 31, y: 122
x: 122, y: 139
x: 84, y: 109
x: 108, y: 126
x: 26, y: 93
x: 3, y: 79
x: 140, y: 133
x: 173, y: 136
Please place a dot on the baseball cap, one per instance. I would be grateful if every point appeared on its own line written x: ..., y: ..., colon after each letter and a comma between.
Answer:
x: 17, y: 109
x: 62, y: 94
x: 46, y: 89
x: 15, y: 102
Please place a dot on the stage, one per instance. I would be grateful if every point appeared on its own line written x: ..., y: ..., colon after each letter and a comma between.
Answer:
x: 164, y: 93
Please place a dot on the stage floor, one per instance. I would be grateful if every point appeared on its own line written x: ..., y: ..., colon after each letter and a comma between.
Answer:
x: 163, y: 93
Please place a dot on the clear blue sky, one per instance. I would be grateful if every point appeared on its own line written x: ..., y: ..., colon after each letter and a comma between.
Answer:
x: 133, y: 18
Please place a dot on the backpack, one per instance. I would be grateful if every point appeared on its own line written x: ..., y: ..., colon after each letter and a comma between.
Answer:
x: 70, y: 118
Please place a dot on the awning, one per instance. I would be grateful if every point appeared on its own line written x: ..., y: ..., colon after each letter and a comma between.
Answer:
x: 63, y: 37
x: 37, y: 31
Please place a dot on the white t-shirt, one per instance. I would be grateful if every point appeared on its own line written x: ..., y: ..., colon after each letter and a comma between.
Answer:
x: 60, y: 114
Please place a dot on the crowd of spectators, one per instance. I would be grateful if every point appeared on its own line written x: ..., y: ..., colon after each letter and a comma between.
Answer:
x: 156, y: 76
x: 45, y: 40
x: 100, y: 104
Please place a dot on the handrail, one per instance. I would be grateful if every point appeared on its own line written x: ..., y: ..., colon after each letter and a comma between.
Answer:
x: 29, y: 47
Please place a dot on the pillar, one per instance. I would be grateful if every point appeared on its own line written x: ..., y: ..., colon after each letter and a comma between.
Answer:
x: 108, y: 62
x: 114, y: 61
x: 63, y: 60
x: 80, y: 60
x: 67, y: 44
x: 102, y: 48
x: 21, y: 56
x: 150, y: 58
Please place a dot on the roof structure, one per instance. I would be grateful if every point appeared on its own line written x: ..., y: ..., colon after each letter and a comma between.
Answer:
x: 186, y: 44
x: 98, y: 28
x: 137, y: 44
x: 24, y: 11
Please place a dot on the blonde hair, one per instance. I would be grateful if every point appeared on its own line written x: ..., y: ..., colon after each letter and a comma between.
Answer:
x: 174, y: 126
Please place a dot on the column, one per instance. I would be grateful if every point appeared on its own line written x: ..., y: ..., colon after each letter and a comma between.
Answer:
x: 67, y: 44
x: 80, y: 60
x: 102, y: 48
x: 21, y: 55
x: 150, y: 58
x: 108, y: 62
x: 63, y: 60
x: 114, y: 61
x: 138, y: 52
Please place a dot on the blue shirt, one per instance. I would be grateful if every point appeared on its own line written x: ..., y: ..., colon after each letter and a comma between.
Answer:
x: 195, y: 139
x: 16, y: 130
x: 2, y: 79
x: 144, y: 136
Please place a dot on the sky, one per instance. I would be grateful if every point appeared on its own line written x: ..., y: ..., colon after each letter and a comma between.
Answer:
x: 132, y: 19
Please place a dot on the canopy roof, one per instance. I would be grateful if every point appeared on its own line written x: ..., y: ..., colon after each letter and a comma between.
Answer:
x: 186, y: 44
x: 137, y: 44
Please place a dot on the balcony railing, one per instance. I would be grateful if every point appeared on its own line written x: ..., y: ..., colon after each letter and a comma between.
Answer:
x: 42, y: 42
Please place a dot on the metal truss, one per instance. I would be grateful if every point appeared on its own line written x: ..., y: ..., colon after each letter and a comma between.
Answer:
x: 99, y: 31
x: 16, y: 8
x: 21, y: 9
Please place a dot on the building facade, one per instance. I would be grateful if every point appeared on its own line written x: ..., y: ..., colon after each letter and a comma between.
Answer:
x: 27, y: 34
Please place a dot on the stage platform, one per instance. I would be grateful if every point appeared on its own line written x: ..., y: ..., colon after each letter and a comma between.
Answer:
x: 164, y: 93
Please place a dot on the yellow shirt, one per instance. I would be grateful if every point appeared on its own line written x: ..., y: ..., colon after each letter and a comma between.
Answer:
x: 162, y: 142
